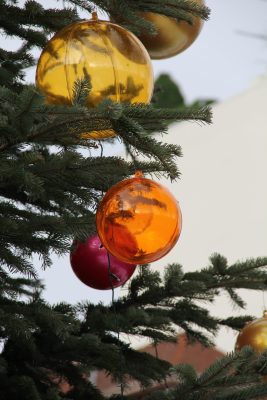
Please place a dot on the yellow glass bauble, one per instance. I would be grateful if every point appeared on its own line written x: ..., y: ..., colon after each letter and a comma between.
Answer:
x: 254, y: 334
x: 172, y: 36
x: 138, y: 220
x: 112, y: 58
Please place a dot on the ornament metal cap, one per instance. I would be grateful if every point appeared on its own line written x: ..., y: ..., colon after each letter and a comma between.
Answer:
x: 94, y: 16
x: 138, y: 174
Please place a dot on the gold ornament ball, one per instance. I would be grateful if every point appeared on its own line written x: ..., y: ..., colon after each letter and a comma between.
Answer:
x: 254, y: 334
x: 173, y: 37
x: 115, y: 61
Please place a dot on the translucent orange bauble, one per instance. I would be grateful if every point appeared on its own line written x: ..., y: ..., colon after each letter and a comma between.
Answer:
x: 173, y: 37
x: 254, y: 334
x: 115, y: 61
x: 138, y: 220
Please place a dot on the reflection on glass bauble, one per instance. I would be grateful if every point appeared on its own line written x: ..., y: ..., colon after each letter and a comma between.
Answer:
x: 254, y: 334
x: 112, y: 58
x: 89, y: 261
x: 172, y: 37
x: 138, y: 220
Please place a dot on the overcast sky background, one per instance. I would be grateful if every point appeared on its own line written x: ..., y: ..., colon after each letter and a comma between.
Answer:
x: 220, y: 64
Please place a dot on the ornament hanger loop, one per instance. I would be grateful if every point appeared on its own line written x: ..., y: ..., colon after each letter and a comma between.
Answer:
x: 138, y: 174
x: 94, y: 16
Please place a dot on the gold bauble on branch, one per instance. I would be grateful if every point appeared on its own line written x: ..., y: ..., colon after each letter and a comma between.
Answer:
x: 172, y: 36
x: 254, y: 334
x: 112, y: 58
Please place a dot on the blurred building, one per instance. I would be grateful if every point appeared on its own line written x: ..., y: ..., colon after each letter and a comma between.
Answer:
x: 223, y: 193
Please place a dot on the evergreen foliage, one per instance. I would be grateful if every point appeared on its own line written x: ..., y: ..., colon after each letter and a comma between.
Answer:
x: 50, y: 186
x: 168, y: 95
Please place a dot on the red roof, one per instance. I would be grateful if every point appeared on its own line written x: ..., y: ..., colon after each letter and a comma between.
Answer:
x: 175, y: 353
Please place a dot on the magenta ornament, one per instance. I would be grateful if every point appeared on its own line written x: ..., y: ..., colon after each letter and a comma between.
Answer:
x: 89, y: 261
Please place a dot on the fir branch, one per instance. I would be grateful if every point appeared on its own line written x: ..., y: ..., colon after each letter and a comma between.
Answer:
x: 127, y: 12
x: 177, y: 296
x: 19, y: 21
x: 134, y: 123
x: 81, y: 91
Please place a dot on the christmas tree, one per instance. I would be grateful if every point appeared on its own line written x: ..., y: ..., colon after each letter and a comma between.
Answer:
x: 50, y: 189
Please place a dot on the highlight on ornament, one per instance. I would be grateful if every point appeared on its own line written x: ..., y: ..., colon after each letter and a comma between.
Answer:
x: 113, y: 59
x: 254, y: 334
x: 172, y: 37
x: 138, y: 220
x: 95, y: 268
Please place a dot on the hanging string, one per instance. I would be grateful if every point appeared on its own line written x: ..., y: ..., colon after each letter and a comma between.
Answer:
x: 263, y: 300
x: 112, y: 276
x: 94, y: 10
x: 156, y: 349
x: 101, y: 150
x: 157, y: 357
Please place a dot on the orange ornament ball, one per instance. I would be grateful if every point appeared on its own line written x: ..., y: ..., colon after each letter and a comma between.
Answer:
x: 138, y: 220
x: 172, y: 37
x: 254, y: 334
x: 112, y: 58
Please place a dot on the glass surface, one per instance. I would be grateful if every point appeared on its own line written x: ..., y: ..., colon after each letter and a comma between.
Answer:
x: 90, y: 263
x: 254, y: 334
x: 173, y: 37
x: 138, y: 220
x: 114, y: 60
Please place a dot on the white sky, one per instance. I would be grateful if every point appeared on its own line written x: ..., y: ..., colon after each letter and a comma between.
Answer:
x: 220, y: 64
x: 222, y: 194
